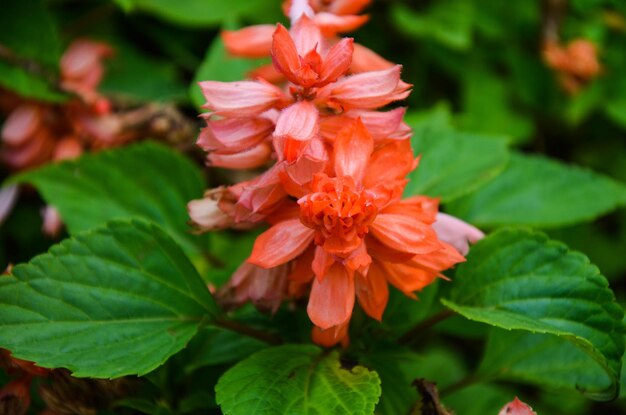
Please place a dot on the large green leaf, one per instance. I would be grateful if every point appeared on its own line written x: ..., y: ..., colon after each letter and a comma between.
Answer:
x: 196, y: 13
x: 110, y: 302
x: 454, y: 164
x: 536, y: 191
x: 297, y: 379
x: 147, y: 181
x: 541, y: 359
x: 28, y: 85
x: 219, y: 66
x: 518, y: 279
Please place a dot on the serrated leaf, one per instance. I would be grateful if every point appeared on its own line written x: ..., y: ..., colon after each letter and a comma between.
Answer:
x: 115, y: 301
x: 454, y: 164
x: 145, y: 181
x: 533, y: 190
x: 296, y: 379
x: 519, y: 280
x: 541, y: 359
x: 196, y: 13
x: 219, y: 66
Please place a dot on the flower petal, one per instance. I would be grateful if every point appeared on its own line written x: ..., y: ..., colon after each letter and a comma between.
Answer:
x: 331, y: 336
x: 249, y: 159
x: 250, y: 42
x: 281, y: 243
x: 298, y: 122
x: 389, y: 162
x: 404, y: 233
x: 456, y: 232
x: 241, y: 98
x: 372, y: 291
x: 353, y: 147
x: 367, y: 90
x: 337, y: 62
x: 284, y: 53
x: 365, y: 60
x: 331, y: 300
x: 234, y: 134
x: 330, y: 24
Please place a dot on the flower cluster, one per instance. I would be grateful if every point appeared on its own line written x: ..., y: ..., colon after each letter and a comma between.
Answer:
x: 576, y: 64
x: 339, y: 229
x: 35, y: 133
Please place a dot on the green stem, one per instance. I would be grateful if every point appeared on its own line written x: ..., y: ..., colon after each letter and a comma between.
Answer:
x: 416, y: 332
x: 461, y: 384
x: 248, y: 331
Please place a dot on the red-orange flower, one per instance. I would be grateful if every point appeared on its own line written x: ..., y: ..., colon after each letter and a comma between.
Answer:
x: 354, y: 235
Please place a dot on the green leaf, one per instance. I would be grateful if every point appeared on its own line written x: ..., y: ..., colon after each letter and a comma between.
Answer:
x: 487, y: 107
x: 541, y: 359
x: 146, y: 181
x: 28, y: 85
x: 454, y: 164
x: 196, y: 13
x: 448, y: 22
x: 399, y: 366
x: 296, y: 379
x: 520, y: 280
x: 219, y: 66
x: 126, y: 76
x: 402, y: 313
x: 114, y: 301
x: 216, y: 346
x: 536, y: 191
x: 28, y: 31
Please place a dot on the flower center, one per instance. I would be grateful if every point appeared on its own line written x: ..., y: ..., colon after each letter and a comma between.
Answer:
x: 339, y: 213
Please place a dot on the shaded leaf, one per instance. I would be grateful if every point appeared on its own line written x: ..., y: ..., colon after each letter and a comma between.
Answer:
x: 146, y: 181
x: 454, y: 164
x: 125, y: 292
x: 537, y: 191
x: 518, y: 279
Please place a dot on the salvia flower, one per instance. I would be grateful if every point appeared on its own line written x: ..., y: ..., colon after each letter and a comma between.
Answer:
x: 355, y: 235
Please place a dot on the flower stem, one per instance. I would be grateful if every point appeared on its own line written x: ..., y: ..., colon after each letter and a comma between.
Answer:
x: 248, y: 331
x: 414, y: 334
x: 461, y: 384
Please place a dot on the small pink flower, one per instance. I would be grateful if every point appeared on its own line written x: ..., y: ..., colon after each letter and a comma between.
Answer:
x: 456, y: 232
x: 516, y: 407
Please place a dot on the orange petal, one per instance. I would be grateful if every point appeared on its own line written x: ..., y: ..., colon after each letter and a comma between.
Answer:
x: 407, y: 277
x: 330, y: 24
x: 353, y: 147
x: 365, y: 60
x: 336, y: 62
x: 404, y: 233
x: 280, y: 243
x: 249, y: 42
x: 284, y: 53
x: 347, y: 6
x: 21, y: 123
x: 332, y: 299
x: 302, y: 272
x: 372, y: 291
x: 389, y: 162
x: 322, y: 262
x: 331, y: 336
